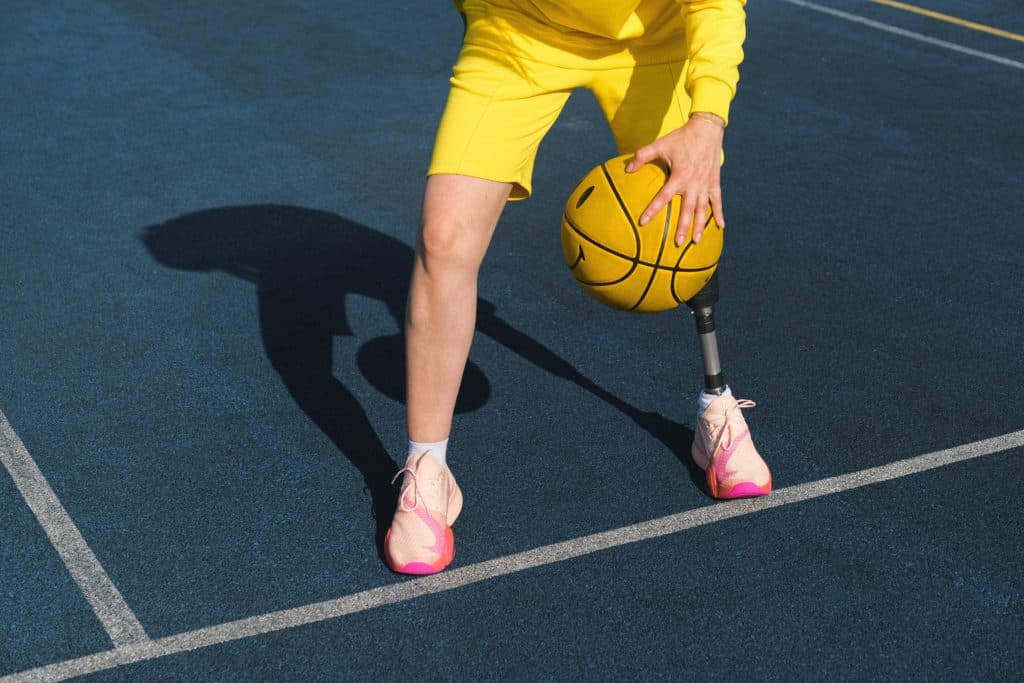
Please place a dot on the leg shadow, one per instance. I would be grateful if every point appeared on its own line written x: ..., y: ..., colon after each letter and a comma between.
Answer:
x: 304, y: 263
x: 673, y: 435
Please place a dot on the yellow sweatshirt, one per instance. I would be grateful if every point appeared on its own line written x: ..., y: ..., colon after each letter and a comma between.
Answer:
x: 709, y: 33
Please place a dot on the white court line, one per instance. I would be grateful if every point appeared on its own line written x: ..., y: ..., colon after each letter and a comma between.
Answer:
x: 888, y: 28
x: 117, y: 618
x: 503, y: 566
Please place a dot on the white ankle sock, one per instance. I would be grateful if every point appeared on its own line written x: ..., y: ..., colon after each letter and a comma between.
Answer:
x: 437, y: 450
x: 705, y: 399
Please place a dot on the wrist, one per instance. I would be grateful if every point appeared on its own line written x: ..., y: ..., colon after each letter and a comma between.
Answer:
x: 709, y: 117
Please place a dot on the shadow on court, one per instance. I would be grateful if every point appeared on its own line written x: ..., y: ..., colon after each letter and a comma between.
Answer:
x: 304, y: 264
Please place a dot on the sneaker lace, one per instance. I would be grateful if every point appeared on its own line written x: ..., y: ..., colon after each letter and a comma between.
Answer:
x: 725, y: 435
x: 415, y: 489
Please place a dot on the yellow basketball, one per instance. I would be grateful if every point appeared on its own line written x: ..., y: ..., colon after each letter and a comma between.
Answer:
x: 626, y: 266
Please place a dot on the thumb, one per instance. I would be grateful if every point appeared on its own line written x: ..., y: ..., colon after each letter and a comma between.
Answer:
x: 644, y: 155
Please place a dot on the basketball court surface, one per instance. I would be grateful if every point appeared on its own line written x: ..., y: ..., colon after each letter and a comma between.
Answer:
x: 206, y: 218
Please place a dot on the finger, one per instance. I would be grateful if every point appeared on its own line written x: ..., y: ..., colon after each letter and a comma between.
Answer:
x: 663, y: 197
x: 700, y: 218
x: 644, y: 155
x: 716, y: 207
x: 685, y: 218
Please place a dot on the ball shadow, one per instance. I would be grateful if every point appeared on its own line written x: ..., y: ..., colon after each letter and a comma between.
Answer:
x: 382, y: 363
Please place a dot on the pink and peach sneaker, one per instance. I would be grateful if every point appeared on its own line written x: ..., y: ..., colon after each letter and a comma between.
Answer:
x: 723, y: 449
x: 420, y: 540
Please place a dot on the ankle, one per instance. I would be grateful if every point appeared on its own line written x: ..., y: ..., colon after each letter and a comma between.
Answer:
x: 438, y: 450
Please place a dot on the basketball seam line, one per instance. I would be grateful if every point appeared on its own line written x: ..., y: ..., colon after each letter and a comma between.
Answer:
x: 683, y: 255
x: 622, y: 205
x: 661, y: 250
x: 635, y: 261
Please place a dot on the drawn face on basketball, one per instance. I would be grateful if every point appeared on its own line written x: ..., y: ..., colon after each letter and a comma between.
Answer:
x: 622, y: 264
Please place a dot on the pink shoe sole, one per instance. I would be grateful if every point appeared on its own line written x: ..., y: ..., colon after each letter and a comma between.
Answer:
x: 744, y: 489
x: 422, y: 568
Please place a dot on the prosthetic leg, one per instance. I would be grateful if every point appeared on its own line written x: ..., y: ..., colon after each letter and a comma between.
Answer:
x: 747, y: 474
x: 701, y: 307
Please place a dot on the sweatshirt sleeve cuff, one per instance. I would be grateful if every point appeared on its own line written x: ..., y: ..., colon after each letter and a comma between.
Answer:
x: 711, y: 95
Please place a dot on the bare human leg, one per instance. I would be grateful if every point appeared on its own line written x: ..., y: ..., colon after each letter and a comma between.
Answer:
x: 459, y: 217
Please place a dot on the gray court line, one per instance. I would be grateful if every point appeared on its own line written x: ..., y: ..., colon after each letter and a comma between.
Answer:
x: 503, y: 566
x: 117, y: 618
x: 888, y: 28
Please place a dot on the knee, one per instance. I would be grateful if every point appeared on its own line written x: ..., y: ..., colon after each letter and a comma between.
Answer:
x: 445, y: 244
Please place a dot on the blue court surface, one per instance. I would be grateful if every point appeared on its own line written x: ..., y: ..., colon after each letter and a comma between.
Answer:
x: 206, y: 217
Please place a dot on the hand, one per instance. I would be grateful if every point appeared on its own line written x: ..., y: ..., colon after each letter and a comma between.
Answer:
x: 693, y: 155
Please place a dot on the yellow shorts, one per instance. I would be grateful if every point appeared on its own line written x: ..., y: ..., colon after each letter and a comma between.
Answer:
x: 512, y: 80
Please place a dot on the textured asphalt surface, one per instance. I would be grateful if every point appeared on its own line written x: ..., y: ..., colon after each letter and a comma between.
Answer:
x: 206, y: 212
